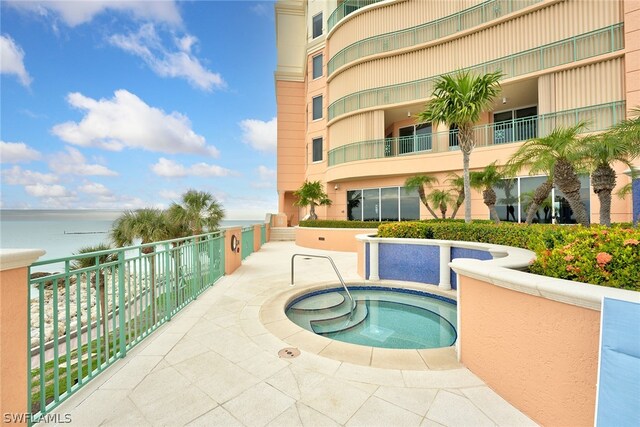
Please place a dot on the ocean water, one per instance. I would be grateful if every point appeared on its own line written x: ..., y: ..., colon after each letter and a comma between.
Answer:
x: 61, y: 233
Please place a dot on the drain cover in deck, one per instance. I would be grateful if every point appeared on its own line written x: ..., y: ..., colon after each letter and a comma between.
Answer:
x: 289, y: 353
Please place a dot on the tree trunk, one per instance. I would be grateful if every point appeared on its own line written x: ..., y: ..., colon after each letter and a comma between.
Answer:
x: 443, y: 211
x: 489, y: 197
x: 465, y: 141
x: 539, y: 196
x: 459, y: 203
x: 603, y: 181
x: 569, y: 183
x: 312, y: 211
x: 423, y: 199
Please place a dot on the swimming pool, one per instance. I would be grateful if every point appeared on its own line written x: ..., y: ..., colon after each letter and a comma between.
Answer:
x: 383, y: 317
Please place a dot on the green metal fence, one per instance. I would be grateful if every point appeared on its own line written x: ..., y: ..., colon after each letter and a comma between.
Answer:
x: 594, y: 43
x: 247, y: 242
x: 345, y: 8
x: 103, y: 303
x: 433, y: 30
x: 263, y: 234
x: 597, y: 118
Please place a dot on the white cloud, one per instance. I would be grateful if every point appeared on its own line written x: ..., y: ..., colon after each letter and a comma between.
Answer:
x: 266, y: 178
x: 260, y: 135
x: 12, y: 60
x: 262, y: 9
x: 169, y: 194
x: 74, y: 13
x: 128, y: 122
x: 18, y: 176
x: 147, y: 45
x: 96, y: 189
x: 16, y: 152
x: 74, y: 163
x: 170, y: 169
x: 43, y: 190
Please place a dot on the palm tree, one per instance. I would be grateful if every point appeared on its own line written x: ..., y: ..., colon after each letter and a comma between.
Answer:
x: 457, y: 186
x: 148, y: 225
x: 311, y: 194
x: 460, y: 100
x: 485, y: 180
x: 600, y: 152
x: 441, y: 199
x: 420, y: 183
x: 557, y: 154
x: 198, y: 210
x: 97, y: 277
x: 529, y: 198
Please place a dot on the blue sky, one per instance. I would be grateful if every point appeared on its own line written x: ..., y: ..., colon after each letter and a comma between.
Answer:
x: 121, y: 105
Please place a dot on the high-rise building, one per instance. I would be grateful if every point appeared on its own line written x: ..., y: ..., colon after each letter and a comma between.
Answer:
x: 353, y: 74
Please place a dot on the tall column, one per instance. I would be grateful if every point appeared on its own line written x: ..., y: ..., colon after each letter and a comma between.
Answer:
x: 373, y: 261
x: 14, y: 332
x: 445, y: 270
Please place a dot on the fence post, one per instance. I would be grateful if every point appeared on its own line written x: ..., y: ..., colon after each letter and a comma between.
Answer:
x: 167, y: 281
x: 15, y: 335
x: 121, y: 304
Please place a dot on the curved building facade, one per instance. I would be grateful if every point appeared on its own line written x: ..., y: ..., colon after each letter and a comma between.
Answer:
x: 353, y: 74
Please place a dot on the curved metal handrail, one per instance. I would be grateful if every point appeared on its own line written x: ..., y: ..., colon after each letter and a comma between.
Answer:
x: 353, y: 303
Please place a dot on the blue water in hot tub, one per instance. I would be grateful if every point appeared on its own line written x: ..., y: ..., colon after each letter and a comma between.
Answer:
x: 383, y: 317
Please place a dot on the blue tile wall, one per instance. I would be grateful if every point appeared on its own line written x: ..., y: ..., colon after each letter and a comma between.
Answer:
x: 414, y: 263
x: 636, y: 201
x: 466, y: 253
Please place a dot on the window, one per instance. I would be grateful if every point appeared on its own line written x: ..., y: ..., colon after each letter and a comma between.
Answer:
x: 317, y: 107
x: 383, y: 204
x: 515, y: 125
x: 317, y: 149
x: 317, y: 66
x: 414, y: 138
x: 317, y: 26
x: 453, y: 137
x: 515, y: 196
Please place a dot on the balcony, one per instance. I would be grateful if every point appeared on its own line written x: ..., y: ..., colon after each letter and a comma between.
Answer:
x: 591, y: 44
x: 597, y: 117
x: 424, y: 33
x: 345, y: 8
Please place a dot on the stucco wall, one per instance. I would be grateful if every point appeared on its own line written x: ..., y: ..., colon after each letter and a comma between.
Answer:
x: 540, y: 355
x: 330, y: 239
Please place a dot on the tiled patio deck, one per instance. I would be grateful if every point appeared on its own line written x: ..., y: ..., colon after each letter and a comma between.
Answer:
x: 215, y: 363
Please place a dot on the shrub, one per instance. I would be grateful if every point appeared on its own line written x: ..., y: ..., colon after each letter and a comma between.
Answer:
x: 597, y: 255
x: 328, y: 223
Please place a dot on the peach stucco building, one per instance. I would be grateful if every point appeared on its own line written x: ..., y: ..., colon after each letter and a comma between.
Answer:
x: 352, y: 75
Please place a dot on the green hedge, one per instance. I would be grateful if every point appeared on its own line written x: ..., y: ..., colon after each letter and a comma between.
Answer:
x: 327, y: 223
x: 597, y: 255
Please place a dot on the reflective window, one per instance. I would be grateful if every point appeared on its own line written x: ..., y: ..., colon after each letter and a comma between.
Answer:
x: 528, y: 186
x: 317, y: 66
x: 317, y: 107
x: 371, y: 205
x: 317, y: 25
x: 354, y: 205
x: 409, y: 204
x: 383, y: 204
x: 317, y: 149
x: 389, y: 204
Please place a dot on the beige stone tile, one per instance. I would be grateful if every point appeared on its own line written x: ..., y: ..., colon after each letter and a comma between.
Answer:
x: 202, y: 327
x: 203, y: 366
x: 397, y: 359
x: 272, y: 315
x: 177, y: 407
x: 377, y: 412
x: 351, y: 353
x: 496, y: 408
x: 308, y: 341
x: 454, y: 378
x: 440, y: 358
x: 226, y: 321
x: 185, y: 349
x: 453, y: 410
x: 132, y: 373
x: 216, y: 417
x: 235, y: 349
x: 366, y: 374
x: 259, y: 405
x: 161, y: 344
x: 156, y: 385
x: 252, y: 327
x: 430, y: 423
x: 293, y: 379
x: 416, y: 400
x: 97, y: 407
x: 180, y: 324
x: 283, y: 328
x: 269, y: 342
x: 263, y: 365
x: 335, y: 399
x: 126, y: 415
x: 288, y: 418
x: 226, y: 383
x: 316, y: 363
x: 312, y: 418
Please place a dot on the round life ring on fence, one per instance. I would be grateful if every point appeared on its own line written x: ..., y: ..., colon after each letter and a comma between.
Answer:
x: 234, y: 243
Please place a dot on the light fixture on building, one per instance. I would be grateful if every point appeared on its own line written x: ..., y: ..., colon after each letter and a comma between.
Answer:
x: 408, y: 113
x: 337, y: 187
x: 504, y: 100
